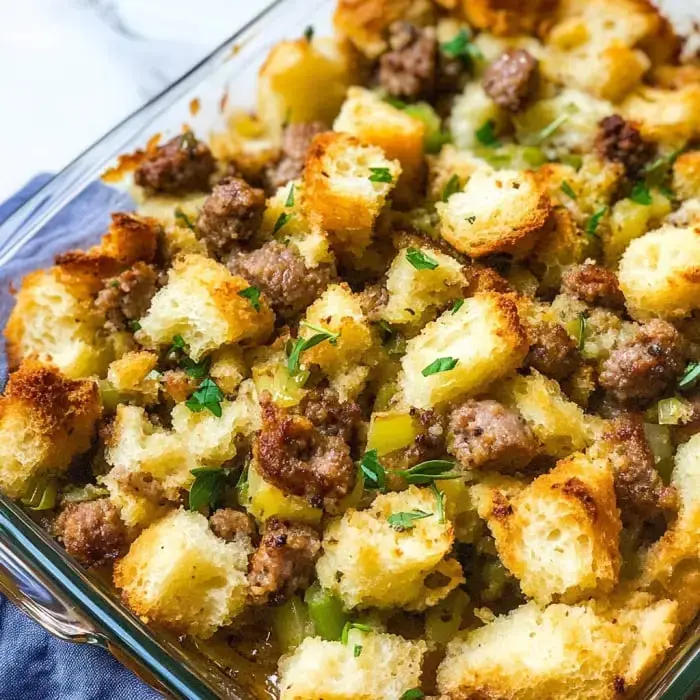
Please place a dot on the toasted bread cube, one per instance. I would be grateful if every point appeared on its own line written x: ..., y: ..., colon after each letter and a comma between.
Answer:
x: 470, y: 112
x: 339, y: 195
x: 228, y: 368
x: 303, y: 81
x: 415, y: 294
x: 202, y: 303
x: 508, y: 17
x: 46, y: 419
x: 129, y: 375
x: 366, y: 116
x: 364, y: 22
x: 321, y: 670
x: 368, y: 563
x: 497, y: 212
x: 686, y: 175
x: 55, y: 322
x: 560, y: 536
x: 558, y: 423
x: 445, y: 166
x: 660, y: 273
x: 179, y: 574
x: 563, y: 651
x: 337, y: 310
x: 668, y: 116
x: 484, y: 335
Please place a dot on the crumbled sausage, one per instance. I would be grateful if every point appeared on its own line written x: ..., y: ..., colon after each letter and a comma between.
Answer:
x: 593, y: 284
x: 284, y: 561
x: 143, y: 484
x: 621, y: 142
x: 299, y: 459
x: 487, y: 435
x: 92, y: 532
x: 638, y: 487
x: 280, y: 272
x: 127, y: 297
x: 232, y: 212
x: 373, y: 299
x: 641, y: 369
x: 226, y: 523
x: 409, y: 69
x: 330, y: 415
x: 296, y: 140
x: 512, y: 79
x: 552, y: 351
x: 183, y: 164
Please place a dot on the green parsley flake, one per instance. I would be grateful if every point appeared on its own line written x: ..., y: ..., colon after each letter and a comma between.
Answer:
x: 640, y: 193
x: 420, y: 260
x: 461, y: 47
x: 592, y: 223
x: 413, y: 694
x: 439, y: 503
x: 486, y: 134
x: 182, y: 217
x: 178, y: 343
x: 457, y: 305
x: 406, y: 520
x: 353, y: 626
x: 290, y: 197
x: 548, y: 130
x: 302, y: 344
x: 134, y: 326
x: 373, y: 471
x: 380, y: 175
x: 442, y: 364
x: 690, y: 376
x: 357, y: 650
x: 196, y: 370
x: 282, y: 221
x: 430, y: 471
x: 207, y: 487
x: 452, y: 187
x: 252, y: 294
x: 208, y: 396
x: 309, y: 33
x: 567, y: 190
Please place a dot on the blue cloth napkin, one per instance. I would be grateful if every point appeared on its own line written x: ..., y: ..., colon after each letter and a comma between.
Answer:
x: 33, y: 664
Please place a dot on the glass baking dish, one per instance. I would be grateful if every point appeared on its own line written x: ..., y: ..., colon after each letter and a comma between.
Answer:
x: 37, y: 574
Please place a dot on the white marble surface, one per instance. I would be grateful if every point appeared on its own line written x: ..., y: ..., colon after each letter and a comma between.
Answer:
x: 71, y: 69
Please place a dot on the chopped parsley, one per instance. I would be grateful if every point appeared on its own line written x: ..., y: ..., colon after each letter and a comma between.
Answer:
x: 690, y: 376
x: 196, y: 370
x: 357, y: 650
x: 182, y: 217
x: 543, y: 134
x: 567, y: 190
x: 428, y: 472
x: 207, y: 487
x: 439, y: 503
x: 462, y: 47
x: 413, y: 694
x: 309, y: 33
x: 252, y: 294
x: 442, y: 364
x: 302, y: 344
x: 134, y: 326
x: 452, y: 187
x: 486, y: 134
x: 470, y: 219
x: 380, y: 175
x: 640, y: 193
x: 373, y: 471
x: 290, y: 197
x: 208, y: 396
x: 282, y: 220
x: 592, y: 223
x: 178, y: 343
x: 406, y: 520
x: 457, y: 305
x: 420, y: 260
x: 353, y: 626
x: 581, y: 330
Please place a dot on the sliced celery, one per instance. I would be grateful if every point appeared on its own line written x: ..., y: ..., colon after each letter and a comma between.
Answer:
x: 326, y: 612
x: 291, y: 624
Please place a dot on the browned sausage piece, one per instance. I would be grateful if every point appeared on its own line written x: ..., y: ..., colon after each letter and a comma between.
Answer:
x: 511, y: 81
x: 640, y: 370
x: 297, y: 458
x: 593, y: 284
x: 92, y: 532
x: 226, y: 523
x: 638, y: 487
x: 281, y: 274
x: 127, y: 297
x: 183, y: 164
x: 296, y: 140
x: 284, y: 561
x: 552, y: 351
x: 409, y: 69
x: 232, y: 212
x: 143, y: 484
x: 487, y: 435
x: 621, y: 142
x: 330, y: 415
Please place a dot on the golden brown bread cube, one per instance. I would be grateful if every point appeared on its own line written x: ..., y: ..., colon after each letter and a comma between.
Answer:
x: 46, y: 419
x: 686, y: 175
x: 509, y: 17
